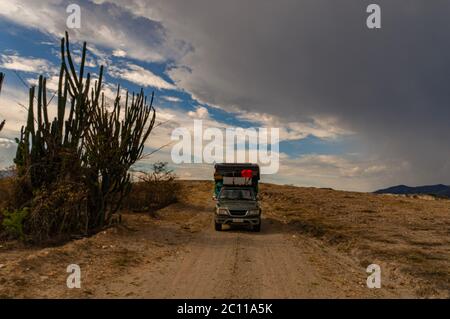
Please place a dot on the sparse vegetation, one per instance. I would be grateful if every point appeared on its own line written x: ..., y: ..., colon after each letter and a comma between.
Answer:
x: 153, y: 190
x: 13, y: 222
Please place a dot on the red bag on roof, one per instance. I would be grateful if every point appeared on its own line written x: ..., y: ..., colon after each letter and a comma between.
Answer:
x: 247, y: 173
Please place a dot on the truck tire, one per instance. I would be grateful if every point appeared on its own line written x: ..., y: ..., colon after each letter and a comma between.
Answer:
x: 257, y: 228
x: 217, y: 226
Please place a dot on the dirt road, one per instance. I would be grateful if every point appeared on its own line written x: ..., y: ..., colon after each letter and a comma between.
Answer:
x: 236, y: 263
x: 177, y: 254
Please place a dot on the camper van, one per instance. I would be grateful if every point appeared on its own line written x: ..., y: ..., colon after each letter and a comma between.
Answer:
x: 236, y: 195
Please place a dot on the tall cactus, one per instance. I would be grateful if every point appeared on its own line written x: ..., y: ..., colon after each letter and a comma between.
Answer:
x: 2, y: 76
x: 112, y: 145
x: 90, y: 144
x: 50, y: 150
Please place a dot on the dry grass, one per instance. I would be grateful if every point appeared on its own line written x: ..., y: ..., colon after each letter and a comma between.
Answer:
x: 6, y: 193
x: 410, y: 234
x: 149, y: 196
x: 60, y: 213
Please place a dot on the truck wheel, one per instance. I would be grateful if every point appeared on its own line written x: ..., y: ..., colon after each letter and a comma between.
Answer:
x: 218, y: 226
x: 257, y: 228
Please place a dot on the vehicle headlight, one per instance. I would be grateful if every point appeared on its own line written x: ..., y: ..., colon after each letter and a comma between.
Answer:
x: 222, y: 211
x: 253, y: 212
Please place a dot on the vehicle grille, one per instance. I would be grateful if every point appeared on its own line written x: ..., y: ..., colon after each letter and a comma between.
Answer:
x: 239, y: 212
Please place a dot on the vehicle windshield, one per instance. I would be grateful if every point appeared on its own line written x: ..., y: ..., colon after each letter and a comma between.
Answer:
x: 237, y: 194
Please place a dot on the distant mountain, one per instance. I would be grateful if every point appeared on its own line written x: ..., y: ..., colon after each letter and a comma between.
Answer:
x: 436, y: 190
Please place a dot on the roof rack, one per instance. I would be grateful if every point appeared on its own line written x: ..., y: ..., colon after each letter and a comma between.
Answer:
x: 235, y: 169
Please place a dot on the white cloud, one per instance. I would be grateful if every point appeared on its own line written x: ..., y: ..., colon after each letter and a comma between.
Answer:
x: 119, y: 53
x: 101, y: 57
x: 171, y: 99
x: 52, y: 83
x: 353, y: 172
x: 103, y: 24
x: 140, y: 76
x: 25, y: 64
x: 318, y: 126
x: 89, y: 62
x: 10, y: 110
x: 200, y: 112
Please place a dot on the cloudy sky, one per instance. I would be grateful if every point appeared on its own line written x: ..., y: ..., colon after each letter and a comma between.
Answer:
x: 357, y: 109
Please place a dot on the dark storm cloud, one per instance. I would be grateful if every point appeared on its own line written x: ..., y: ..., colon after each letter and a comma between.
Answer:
x: 317, y: 57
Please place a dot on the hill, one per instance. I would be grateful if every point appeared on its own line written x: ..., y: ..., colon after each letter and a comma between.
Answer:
x: 439, y: 190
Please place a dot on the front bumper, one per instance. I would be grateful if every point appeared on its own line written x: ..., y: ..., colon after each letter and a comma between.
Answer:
x: 223, y: 219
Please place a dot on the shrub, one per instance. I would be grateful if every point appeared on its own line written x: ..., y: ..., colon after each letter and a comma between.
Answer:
x: 58, y: 213
x: 153, y: 190
x: 6, y: 192
x: 13, y: 222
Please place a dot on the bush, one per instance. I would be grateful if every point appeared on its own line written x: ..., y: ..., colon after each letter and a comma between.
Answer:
x: 7, y: 195
x: 6, y: 192
x: 58, y: 213
x: 13, y: 222
x: 153, y: 190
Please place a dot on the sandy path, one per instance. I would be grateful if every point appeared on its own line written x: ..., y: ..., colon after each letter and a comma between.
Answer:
x: 236, y: 263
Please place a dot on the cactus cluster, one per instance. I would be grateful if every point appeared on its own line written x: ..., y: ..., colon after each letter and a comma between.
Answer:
x: 88, y: 142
